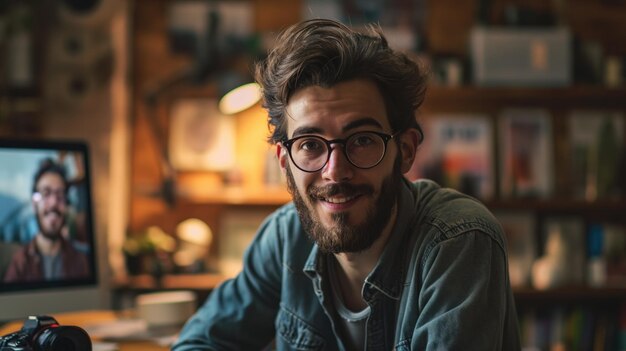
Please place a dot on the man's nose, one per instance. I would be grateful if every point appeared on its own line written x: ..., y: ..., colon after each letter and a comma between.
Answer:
x: 56, y: 200
x: 338, y: 168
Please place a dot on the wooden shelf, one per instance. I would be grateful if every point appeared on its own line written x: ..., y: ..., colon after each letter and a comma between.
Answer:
x: 578, y: 293
x: 440, y: 97
x: 253, y: 196
x: 557, y: 204
x: 205, y: 281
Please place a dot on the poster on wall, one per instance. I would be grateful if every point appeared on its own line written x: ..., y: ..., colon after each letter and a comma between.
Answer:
x: 201, y: 138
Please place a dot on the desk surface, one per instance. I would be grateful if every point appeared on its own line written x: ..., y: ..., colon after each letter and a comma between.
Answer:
x: 90, y: 317
x: 206, y: 282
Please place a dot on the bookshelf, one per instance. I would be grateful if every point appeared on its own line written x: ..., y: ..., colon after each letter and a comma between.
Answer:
x: 576, y: 314
x: 558, y: 104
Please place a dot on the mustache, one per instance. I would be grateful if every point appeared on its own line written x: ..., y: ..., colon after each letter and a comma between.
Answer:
x: 55, y: 211
x: 341, y: 188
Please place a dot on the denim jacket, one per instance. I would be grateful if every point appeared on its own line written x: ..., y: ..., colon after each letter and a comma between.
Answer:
x: 441, y: 283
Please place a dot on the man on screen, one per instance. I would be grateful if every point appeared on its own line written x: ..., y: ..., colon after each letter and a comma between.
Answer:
x: 49, y: 256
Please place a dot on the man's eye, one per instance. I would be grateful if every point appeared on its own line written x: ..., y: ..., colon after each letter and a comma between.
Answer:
x: 312, y: 145
x: 363, y: 140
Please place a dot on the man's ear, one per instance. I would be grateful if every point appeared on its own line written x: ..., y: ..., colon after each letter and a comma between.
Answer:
x: 282, y: 155
x: 409, y: 142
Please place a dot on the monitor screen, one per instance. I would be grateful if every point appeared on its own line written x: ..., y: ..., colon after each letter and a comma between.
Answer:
x: 47, y: 242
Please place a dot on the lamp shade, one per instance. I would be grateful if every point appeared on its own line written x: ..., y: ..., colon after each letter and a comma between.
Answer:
x: 237, y: 93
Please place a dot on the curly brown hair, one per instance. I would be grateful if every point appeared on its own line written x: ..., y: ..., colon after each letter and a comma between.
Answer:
x: 324, y: 52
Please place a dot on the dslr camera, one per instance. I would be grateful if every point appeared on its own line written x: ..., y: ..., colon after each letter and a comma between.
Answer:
x: 43, y: 333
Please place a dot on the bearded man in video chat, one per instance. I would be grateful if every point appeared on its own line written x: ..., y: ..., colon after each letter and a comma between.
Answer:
x: 49, y: 255
x: 362, y: 259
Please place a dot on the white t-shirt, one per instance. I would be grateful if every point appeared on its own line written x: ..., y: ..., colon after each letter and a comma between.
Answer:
x: 351, y: 323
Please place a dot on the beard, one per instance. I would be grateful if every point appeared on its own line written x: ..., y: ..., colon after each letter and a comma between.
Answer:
x: 50, y: 233
x: 343, y: 236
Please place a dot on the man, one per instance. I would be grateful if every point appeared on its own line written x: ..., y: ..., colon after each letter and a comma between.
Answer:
x: 49, y: 256
x: 362, y: 259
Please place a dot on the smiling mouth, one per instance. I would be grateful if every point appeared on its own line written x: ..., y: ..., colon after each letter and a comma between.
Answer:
x: 339, y: 199
x: 339, y: 196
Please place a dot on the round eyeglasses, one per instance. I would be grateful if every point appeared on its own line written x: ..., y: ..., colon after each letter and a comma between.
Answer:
x: 46, y: 194
x: 364, y: 150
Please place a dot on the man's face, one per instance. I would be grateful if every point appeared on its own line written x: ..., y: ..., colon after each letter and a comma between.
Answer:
x: 343, y: 208
x: 50, y: 204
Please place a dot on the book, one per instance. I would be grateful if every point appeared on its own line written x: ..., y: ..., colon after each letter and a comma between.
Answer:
x: 519, y: 230
x: 562, y: 258
x: 457, y: 152
x: 526, y: 159
x: 614, y: 251
x: 567, y: 326
x: 596, y: 139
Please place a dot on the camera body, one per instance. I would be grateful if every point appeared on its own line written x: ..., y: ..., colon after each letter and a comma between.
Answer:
x: 43, y: 333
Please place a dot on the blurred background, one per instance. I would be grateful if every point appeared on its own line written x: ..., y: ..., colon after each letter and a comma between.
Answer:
x: 525, y: 111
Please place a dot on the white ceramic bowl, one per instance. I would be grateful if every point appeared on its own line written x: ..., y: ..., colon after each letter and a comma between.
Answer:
x: 171, y: 308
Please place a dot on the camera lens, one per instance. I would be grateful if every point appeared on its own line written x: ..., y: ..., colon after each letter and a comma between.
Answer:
x: 62, y: 343
x: 63, y: 338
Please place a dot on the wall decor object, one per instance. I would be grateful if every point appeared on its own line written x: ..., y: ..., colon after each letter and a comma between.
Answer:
x: 201, y: 138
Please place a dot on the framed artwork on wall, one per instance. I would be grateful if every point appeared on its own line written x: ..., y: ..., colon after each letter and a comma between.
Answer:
x: 201, y: 138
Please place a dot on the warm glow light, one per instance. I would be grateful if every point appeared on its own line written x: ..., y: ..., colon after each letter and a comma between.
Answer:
x: 195, y: 231
x: 240, y: 98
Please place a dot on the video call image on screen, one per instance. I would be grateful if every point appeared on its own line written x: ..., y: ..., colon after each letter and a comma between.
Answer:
x: 46, y: 236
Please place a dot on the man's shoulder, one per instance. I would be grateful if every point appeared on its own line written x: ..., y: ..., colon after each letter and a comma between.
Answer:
x: 29, y: 250
x: 453, y: 212
x: 430, y: 193
x: 25, y: 259
x: 20, y: 255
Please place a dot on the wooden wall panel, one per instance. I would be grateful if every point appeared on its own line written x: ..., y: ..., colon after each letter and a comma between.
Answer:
x: 447, y: 26
x: 449, y: 21
x: 153, y: 63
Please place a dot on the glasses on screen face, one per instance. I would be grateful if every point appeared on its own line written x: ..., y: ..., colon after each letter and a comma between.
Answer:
x: 45, y: 194
x: 364, y: 150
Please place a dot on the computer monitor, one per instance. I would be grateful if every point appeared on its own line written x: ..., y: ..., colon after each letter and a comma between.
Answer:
x: 48, y: 256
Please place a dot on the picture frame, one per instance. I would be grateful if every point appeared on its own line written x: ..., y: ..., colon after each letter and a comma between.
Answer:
x: 201, y: 138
